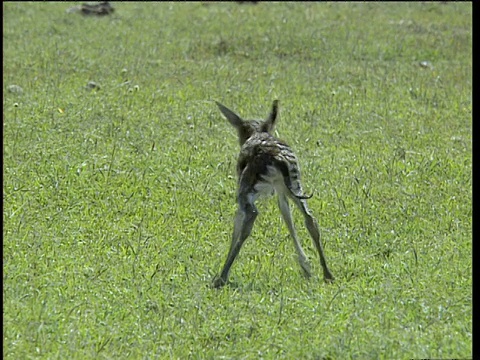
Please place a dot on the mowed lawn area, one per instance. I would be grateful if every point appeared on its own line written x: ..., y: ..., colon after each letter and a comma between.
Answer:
x: 119, y: 180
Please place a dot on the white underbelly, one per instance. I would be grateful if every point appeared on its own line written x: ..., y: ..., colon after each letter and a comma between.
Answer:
x: 271, y: 182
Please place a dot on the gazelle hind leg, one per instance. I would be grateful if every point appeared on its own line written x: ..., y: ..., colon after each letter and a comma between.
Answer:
x: 287, y: 217
x: 312, y: 227
x: 244, y: 220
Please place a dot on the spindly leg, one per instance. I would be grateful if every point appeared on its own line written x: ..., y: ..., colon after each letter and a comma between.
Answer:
x: 244, y: 220
x: 287, y: 217
x: 312, y: 227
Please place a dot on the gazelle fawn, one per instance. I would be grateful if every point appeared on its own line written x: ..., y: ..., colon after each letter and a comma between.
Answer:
x: 267, y: 165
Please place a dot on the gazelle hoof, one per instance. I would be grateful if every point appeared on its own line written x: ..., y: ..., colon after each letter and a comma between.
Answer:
x: 218, y: 282
x: 329, y: 278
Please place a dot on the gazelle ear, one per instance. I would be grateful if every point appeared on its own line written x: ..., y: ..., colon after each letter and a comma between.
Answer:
x: 233, y: 118
x: 269, y: 122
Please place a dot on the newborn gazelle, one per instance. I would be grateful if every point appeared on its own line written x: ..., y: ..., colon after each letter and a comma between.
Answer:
x: 267, y: 165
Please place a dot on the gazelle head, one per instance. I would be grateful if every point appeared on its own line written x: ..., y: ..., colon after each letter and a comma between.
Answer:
x: 246, y: 128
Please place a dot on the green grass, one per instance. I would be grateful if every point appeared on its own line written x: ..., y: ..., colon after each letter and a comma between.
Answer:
x: 118, y: 203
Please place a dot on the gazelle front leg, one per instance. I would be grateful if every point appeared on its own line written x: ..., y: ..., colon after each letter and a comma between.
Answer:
x: 312, y: 227
x: 287, y: 217
x: 244, y: 220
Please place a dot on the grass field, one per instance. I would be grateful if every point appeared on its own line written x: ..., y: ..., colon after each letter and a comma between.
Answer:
x: 118, y: 201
